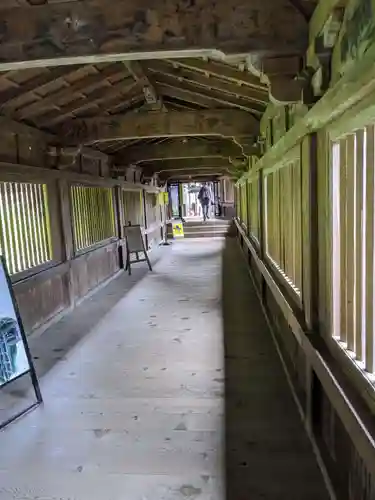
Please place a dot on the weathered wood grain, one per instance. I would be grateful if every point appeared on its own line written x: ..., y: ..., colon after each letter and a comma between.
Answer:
x: 94, y: 30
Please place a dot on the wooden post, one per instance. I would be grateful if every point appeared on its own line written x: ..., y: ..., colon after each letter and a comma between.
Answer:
x: 262, y: 230
x: 310, y: 254
x: 67, y: 233
x: 145, y: 217
x: 120, y: 223
x: 248, y: 211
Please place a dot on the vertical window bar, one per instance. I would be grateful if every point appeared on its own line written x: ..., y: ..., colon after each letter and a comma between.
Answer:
x: 112, y: 211
x: 336, y: 237
x: 94, y: 215
x: 34, y: 224
x: 44, y: 234
x: 276, y: 226
x: 358, y: 241
x: 47, y: 221
x: 25, y: 225
x: 99, y: 211
x: 84, y: 217
x: 299, y: 225
x: 351, y: 240
x: 30, y: 224
x: 369, y: 357
x: 343, y: 239
x: 289, y: 221
x: 281, y: 214
x: 38, y: 201
x: 20, y: 226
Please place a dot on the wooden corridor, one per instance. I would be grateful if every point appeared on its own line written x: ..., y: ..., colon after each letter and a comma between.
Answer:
x: 176, y: 392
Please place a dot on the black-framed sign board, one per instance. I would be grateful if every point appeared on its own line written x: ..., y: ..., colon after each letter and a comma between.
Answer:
x: 15, y: 357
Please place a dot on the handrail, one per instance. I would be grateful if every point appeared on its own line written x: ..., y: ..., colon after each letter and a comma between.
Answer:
x: 352, y: 421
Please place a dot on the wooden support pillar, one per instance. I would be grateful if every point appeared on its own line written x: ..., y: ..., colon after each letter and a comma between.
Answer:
x: 310, y: 258
x: 67, y: 234
x: 310, y: 254
x: 120, y: 223
x: 145, y: 216
x: 262, y: 230
x: 180, y: 200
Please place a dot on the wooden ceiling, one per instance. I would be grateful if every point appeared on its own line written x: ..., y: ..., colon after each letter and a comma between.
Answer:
x: 49, y: 97
x: 55, y: 97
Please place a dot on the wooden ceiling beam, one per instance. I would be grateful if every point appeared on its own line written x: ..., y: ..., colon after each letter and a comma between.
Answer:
x: 180, y: 148
x: 81, y: 87
x: 213, y: 97
x: 175, y: 104
x: 98, y: 96
x: 126, y: 104
x: 92, y: 31
x: 220, y: 70
x: 189, y: 98
x: 198, y: 176
x: 208, y: 81
x: 194, y: 173
x: 160, y: 124
x: 10, y: 97
x: 187, y: 164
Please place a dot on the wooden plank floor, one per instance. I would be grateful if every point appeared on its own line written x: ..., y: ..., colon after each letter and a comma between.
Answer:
x: 134, y: 410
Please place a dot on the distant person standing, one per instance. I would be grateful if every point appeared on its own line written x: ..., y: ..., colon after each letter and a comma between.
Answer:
x: 204, y: 197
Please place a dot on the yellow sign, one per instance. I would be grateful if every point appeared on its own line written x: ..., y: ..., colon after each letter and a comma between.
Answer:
x: 163, y: 198
x: 177, y: 229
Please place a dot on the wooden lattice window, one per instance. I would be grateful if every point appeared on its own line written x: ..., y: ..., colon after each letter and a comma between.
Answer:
x: 93, y: 215
x: 352, y: 195
x: 152, y: 208
x: 133, y: 207
x: 283, y: 222
x: 243, y: 203
x: 24, y: 225
x: 253, y: 208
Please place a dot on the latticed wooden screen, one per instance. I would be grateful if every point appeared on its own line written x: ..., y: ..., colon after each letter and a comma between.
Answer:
x: 283, y: 222
x: 353, y: 237
x: 253, y: 208
x: 152, y: 208
x: 243, y: 202
x: 133, y: 207
x: 24, y: 225
x: 93, y: 215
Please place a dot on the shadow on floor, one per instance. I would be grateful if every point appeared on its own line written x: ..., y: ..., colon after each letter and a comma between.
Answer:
x: 268, y: 455
x: 55, y: 343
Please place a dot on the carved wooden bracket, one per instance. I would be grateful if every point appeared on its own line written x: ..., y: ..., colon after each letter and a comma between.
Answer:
x: 281, y: 75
